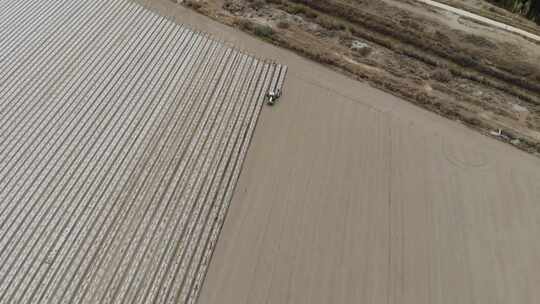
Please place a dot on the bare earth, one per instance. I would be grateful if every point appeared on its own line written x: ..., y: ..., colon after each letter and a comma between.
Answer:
x: 351, y: 195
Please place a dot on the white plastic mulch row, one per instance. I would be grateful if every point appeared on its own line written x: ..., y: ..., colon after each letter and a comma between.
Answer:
x: 122, y: 137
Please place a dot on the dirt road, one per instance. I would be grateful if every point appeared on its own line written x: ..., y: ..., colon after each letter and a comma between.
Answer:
x: 476, y: 17
x: 350, y: 195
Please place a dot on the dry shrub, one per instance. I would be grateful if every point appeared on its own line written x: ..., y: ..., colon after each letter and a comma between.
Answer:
x: 299, y: 9
x: 257, y: 4
x: 324, y: 58
x: 294, y: 9
x: 244, y: 24
x: 311, y: 14
x: 263, y: 31
x: 194, y: 4
x: 519, y: 68
x: 330, y: 24
x: 283, y: 24
x: 234, y: 7
x: 364, y: 51
x: 409, y: 23
x: 479, y: 41
x: 442, y: 75
x: 345, y: 36
x: 440, y: 36
x: 536, y: 76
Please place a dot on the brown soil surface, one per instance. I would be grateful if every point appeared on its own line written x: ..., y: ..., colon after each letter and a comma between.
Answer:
x: 484, y: 77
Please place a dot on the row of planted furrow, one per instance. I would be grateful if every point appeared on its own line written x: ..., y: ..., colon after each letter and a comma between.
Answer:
x: 123, y: 136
